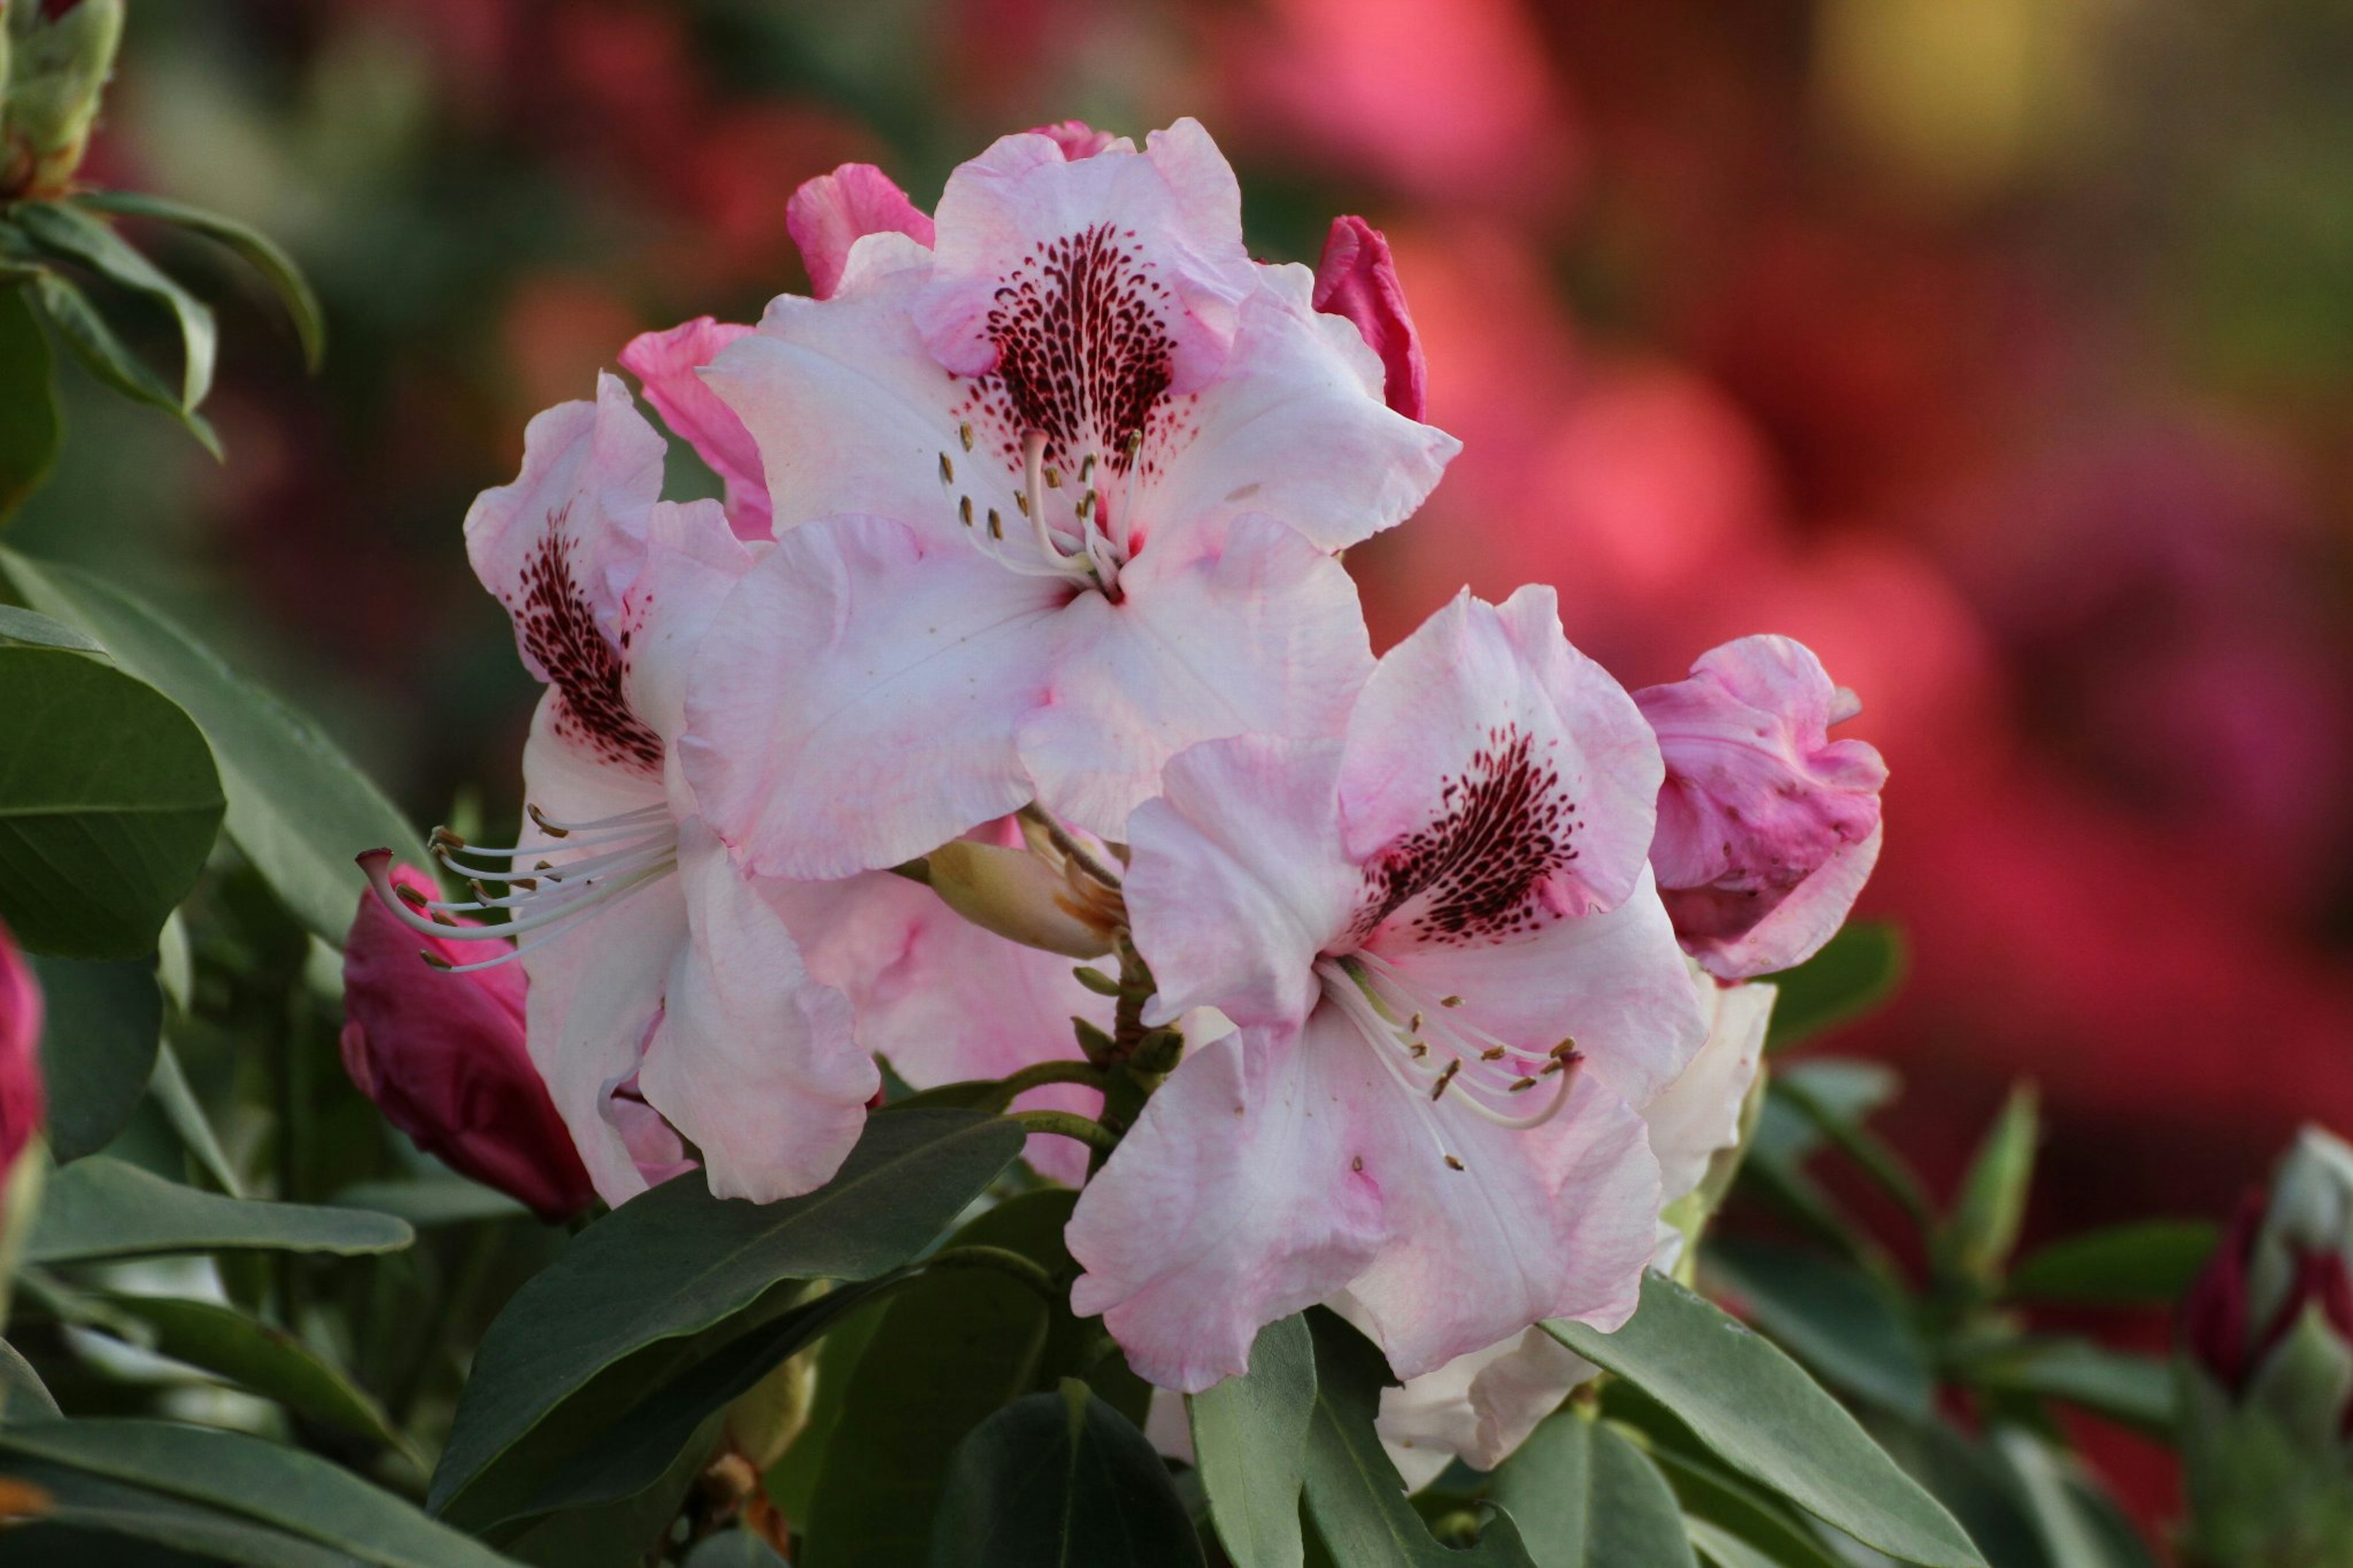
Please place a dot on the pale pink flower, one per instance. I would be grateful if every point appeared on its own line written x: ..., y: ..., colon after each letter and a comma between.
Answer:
x: 1357, y: 278
x: 653, y: 960
x: 1454, y: 985
x: 1481, y: 1406
x: 666, y: 363
x: 1054, y: 499
x: 1768, y: 828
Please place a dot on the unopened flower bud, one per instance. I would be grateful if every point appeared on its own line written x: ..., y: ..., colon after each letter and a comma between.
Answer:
x: 60, y: 56
x: 24, y: 1107
x: 442, y: 1056
x: 1019, y: 895
x: 2267, y: 1374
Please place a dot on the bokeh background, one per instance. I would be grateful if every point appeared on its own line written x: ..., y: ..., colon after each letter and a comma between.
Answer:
x: 2001, y: 350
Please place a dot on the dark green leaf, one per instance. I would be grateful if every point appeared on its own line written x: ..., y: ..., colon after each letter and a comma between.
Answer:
x: 101, y: 1208
x: 1353, y: 1495
x: 255, y: 1355
x: 950, y: 1349
x: 23, y: 1394
x: 77, y: 237
x: 1845, y: 1325
x: 1734, y: 1508
x: 296, y: 1492
x: 177, y: 1103
x: 1975, y: 1243
x: 109, y: 803
x: 1722, y: 1549
x: 1979, y: 1489
x: 2138, y: 1390
x: 17, y: 625
x: 1061, y: 1480
x: 1761, y: 1415
x: 792, y: 1481
x: 1250, y: 1434
x: 1855, y: 972
x: 616, y: 1534
x: 105, y: 356
x: 297, y: 806
x: 429, y: 1201
x: 669, y: 1265
x: 257, y: 250
x: 29, y: 435
x: 2080, y: 1527
x: 2147, y: 1263
x: 96, y: 1519
x: 1583, y: 1496
x: 101, y: 1023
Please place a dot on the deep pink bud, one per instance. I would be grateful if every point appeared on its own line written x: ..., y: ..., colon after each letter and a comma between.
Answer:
x: 1768, y: 828
x: 2214, y: 1313
x: 24, y: 1107
x: 833, y: 212
x: 442, y: 1056
x: 1076, y: 138
x: 1357, y: 278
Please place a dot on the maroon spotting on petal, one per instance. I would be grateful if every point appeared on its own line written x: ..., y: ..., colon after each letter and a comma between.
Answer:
x: 441, y: 1054
x: 1357, y: 279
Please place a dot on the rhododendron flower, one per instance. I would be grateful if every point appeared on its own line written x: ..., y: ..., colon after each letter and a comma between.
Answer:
x: 442, y: 1055
x: 1481, y: 1406
x: 652, y: 959
x: 24, y: 1105
x: 1454, y: 984
x: 1768, y: 828
x: 1054, y: 498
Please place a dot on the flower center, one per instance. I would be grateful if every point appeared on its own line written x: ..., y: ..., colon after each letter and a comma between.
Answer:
x: 1432, y: 1049
x: 1061, y: 524
x: 588, y: 866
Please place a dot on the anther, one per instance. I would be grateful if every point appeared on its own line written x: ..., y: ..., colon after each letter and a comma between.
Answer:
x: 1446, y: 1078
x: 1053, y: 479
x: 1417, y: 1048
x: 410, y: 896
x: 947, y: 471
x: 964, y: 510
x: 963, y: 434
x: 1526, y: 1083
x: 997, y: 523
x: 1449, y: 1001
x: 1491, y: 1054
x: 1452, y: 1163
x: 1414, y: 1027
x: 547, y: 827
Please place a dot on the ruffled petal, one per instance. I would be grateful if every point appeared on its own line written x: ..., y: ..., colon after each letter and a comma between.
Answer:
x: 693, y: 563
x: 754, y: 1061
x: 1615, y: 983
x: 1764, y: 818
x: 1078, y: 140
x: 1496, y: 779
x: 1557, y: 1222
x: 854, y: 704
x: 1236, y: 881
x: 1478, y: 1407
x: 1356, y: 280
x: 1248, y: 629
x: 1699, y: 1113
x: 1231, y: 1203
x: 1295, y: 426
x: 666, y: 365
x: 830, y: 214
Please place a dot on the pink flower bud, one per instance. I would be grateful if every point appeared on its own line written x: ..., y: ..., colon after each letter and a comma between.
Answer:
x: 24, y: 1107
x: 2274, y: 1265
x: 833, y: 212
x: 1076, y: 138
x: 1768, y: 828
x: 442, y: 1056
x: 1357, y: 278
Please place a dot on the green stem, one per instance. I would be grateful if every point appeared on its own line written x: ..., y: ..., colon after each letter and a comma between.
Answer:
x: 1004, y: 1261
x: 1015, y: 1085
x: 1873, y: 1158
x: 1092, y: 1134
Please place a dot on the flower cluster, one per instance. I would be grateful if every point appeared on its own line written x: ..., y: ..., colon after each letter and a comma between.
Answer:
x: 1021, y: 635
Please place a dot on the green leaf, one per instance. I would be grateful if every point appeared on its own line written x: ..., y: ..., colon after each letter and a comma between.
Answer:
x: 950, y: 1349
x: 1731, y: 1506
x: 430, y: 1201
x: 100, y: 1024
x: 1855, y: 972
x: 1762, y: 1415
x: 1978, y: 1487
x: 104, y: 355
x: 1250, y: 1434
x: 23, y: 625
x: 792, y: 1481
x: 256, y: 248
x: 186, y: 1116
x: 30, y: 434
x: 296, y: 1492
x: 616, y: 1534
x: 109, y: 803
x: 1061, y: 1480
x: 2146, y: 1264
x: 1843, y: 1324
x: 1722, y: 1549
x: 101, y: 1208
x: 255, y: 1355
x: 91, y: 1522
x: 640, y: 1284
x: 76, y: 236
x: 1353, y: 1494
x: 2080, y: 1527
x: 1583, y: 1496
x: 23, y: 1394
x: 297, y: 806
x: 1975, y: 1243
x: 2138, y: 1390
